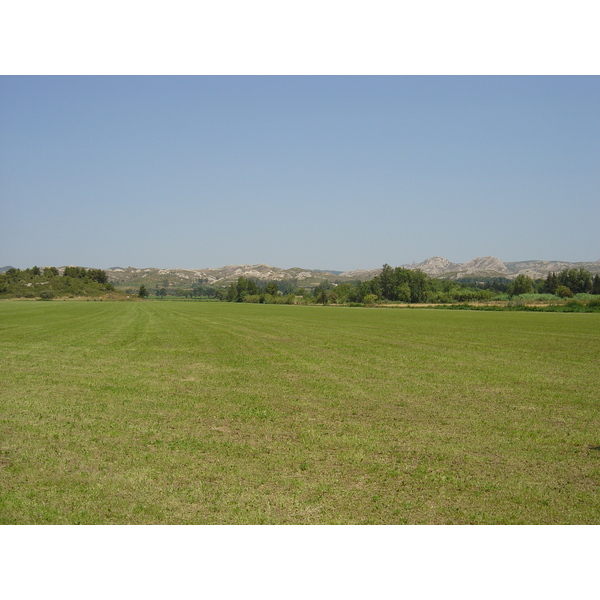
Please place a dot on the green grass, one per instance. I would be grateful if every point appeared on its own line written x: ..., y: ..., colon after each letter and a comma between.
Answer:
x: 181, y: 412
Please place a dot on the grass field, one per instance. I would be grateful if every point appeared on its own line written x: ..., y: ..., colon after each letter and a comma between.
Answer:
x: 183, y: 412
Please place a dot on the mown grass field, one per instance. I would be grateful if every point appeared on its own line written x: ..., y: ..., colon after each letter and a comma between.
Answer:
x: 168, y: 412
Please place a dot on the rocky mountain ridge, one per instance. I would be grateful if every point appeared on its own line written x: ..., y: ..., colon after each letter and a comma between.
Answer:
x: 490, y: 266
x: 486, y: 266
x: 131, y: 276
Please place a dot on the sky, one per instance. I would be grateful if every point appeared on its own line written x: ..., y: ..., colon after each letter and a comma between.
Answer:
x: 324, y: 172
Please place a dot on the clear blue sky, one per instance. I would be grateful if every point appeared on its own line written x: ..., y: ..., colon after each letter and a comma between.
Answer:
x: 318, y: 172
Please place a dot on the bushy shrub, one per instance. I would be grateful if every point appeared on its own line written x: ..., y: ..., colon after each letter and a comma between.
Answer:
x: 563, y: 292
x: 573, y: 303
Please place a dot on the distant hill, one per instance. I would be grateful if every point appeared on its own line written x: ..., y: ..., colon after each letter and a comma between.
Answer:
x: 4, y: 269
x: 490, y: 266
x: 486, y: 266
x: 132, y: 277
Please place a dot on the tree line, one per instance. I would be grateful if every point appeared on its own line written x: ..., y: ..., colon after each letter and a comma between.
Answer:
x: 412, y: 286
x: 397, y: 284
x: 47, y: 283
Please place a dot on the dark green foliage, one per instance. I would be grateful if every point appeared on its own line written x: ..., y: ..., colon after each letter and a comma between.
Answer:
x: 579, y: 281
x: 563, y: 291
x: 271, y: 288
x: 323, y: 287
x: 40, y: 283
x: 202, y: 290
x: 322, y: 297
x: 241, y: 290
x: 551, y: 283
x: 50, y: 272
x: 496, y: 284
x: 79, y: 272
x: 143, y: 292
x: 413, y: 286
x: 246, y: 287
x: 407, y: 286
x: 521, y: 285
x: 399, y: 285
x: 97, y: 275
x: 232, y: 292
x: 343, y: 291
x: 287, y: 287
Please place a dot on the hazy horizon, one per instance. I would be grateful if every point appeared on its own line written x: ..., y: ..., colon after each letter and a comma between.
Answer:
x: 307, y: 267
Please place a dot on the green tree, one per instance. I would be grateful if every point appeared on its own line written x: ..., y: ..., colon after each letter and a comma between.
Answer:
x: 387, y: 278
x: 231, y: 292
x: 222, y: 294
x: 241, y: 289
x: 76, y: 272
x: 343, y: 291
x: 418, y: 286
x: 322, y: 297
x: 521, y: 285
x: 98, y: 275
x: 403, y: 292
x: 551, y: 283
x: 50, y: 272
x: 271, y: 288
x: 143, y: 292
x: 253, y: 289
x: 577, y: 280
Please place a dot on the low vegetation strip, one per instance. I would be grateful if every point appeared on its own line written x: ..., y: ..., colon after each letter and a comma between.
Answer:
x: 570, y: 306
x: 193, y: 412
